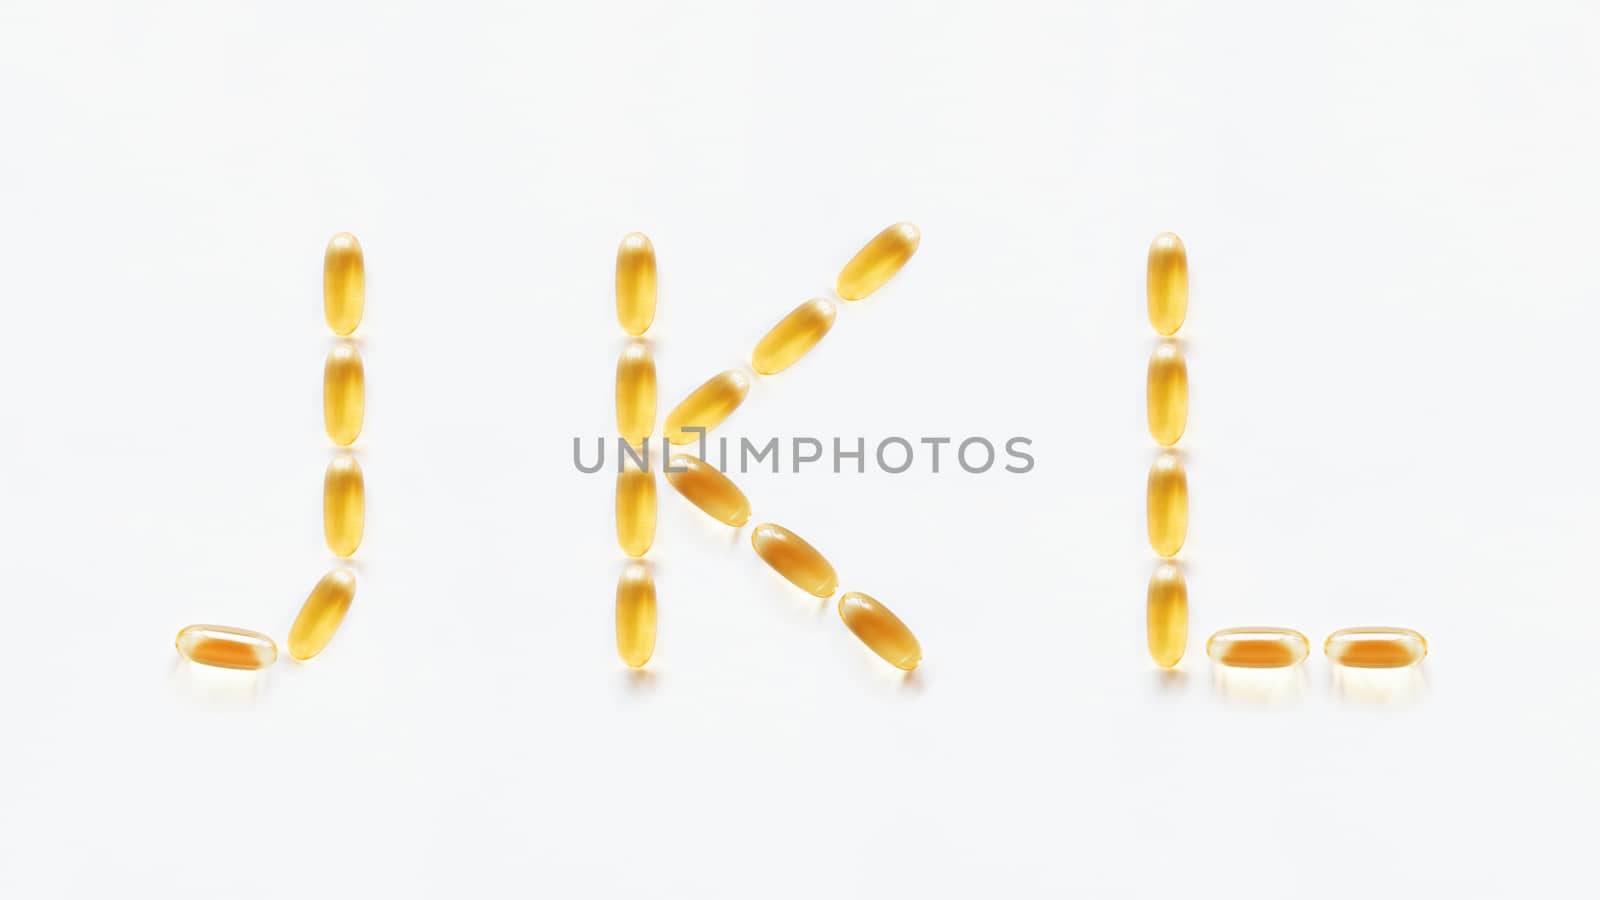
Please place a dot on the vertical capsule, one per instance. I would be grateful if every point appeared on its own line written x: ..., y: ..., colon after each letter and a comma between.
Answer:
x: 226, y: 648
x: 715, y: 493
x: 881, y: 630
x: 344, y: 395
x: 1166, y: 284
x: 636, y: 283
x: 344, y: 505
x: 1167, y: 394
x: 636, y: 393
x: 1257, y: 647
x: 878, y: 261
x: 1167, y: 505
x: 707, y: 406
x: 344, y: 283
x: 636, y: 510
x: 794, y: 559
x: 1375, y: 647
x: 1166, y: 615
x: 322, y: 613
x: 793, y: 336
x: 636, y: 615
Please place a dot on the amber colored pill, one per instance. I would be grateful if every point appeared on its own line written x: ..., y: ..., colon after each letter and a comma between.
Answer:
x: 701, y: 484
x: 1257, y: 647
x: 321, y: 614
x: 636, y: 283
x: 1375, y: 647
x: 344, y: 283
x: 794, y: 559
x: 881, y: 630
x: 227, y: 648
x: 344, y: 395
x: 707, y: 406
x: 877, y: 262
x: 793, y: 336
x: 1167, y: 505
x: 344, y: 505
x: 1166, y: 394
x: 636, y: 615
x: 636, y: 510
x: 1166, y: 615
x: 1167, y: 283
x: 636, y: 393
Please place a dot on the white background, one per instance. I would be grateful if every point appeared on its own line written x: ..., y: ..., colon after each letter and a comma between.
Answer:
x: 1390, y: 212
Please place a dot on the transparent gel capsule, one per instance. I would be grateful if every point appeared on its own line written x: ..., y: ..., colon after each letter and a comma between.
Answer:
x: 707, y: 406
x: 1167, y: 505
x: 794, y: 559
x: 793, y: 336
x: 1257, y: 647
x: 1166, y: 615
x: 322, y: 613
x: 636, y: 283
x: 636, y: 393
x: 344, y: 505
x: 701, y: 484
x: 344, y: 283
x: 1167, y: 283
x: 1375, y: 647
x: 878, y: 261
x: 636, y: 615
x: 881, y: 630
x: 344, y: 395
x: 1167, y: 394
x: 636, y: 510
x: 226, y: 648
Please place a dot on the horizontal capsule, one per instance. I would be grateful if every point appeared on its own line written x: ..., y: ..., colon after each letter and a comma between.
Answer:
x: 636, y: 283
x: 1166, y: 394
x: 1167, y: 283
x: 636, y: 510
x: 1375, y: 647
x: 1166, y: 615
x: 794, y: 559
x: 636, y: 393
x: 322, y: 613
x: 881, y: 630
x: 1257, y: 647
x: 1167, y: 505
x: 344, y: 283
x: 226, y: 648
x: 715, y: 493
x: 707, y: 406
x: 793, y: 336
x: 636, y: 615
x: 878, y: 261
x: 344, y: 395
x: 344, y: 505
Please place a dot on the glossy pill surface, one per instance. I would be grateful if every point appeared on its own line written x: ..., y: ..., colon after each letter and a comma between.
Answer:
x: 636, y: 615
x: 1257, y: 647
x: 344, y: 283
x: 226, y: 648
x: 1167, y: 505
x: 1375, y: 647
x: 636, y: 393
x: 344, y: 505
x: 322, y: 613
x: 794, y: 559
x: 878, y: 261
x: 707, y: 406
x: 793, y: 336
x: 703, y: 485
x: 1167, y: 394
x: 344, y: 395
x: 636, y: 510
x: 881, y: 630
x: 1166, y: 615
x: 1167, y: 283
x: 636, y: 283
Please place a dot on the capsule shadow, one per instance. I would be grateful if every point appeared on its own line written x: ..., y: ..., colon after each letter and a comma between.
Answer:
x: 1379, y: 687
x: 213, y: 686
x: 1259, y: 687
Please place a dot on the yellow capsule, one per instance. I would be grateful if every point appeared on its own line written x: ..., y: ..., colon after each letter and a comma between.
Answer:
x: 701, y: 484
x: 636, y: 393
x: 1167, y: 505
x: 1166, y: 284
x: 636, y: 283
x: 636, y: 510
x: 1257, y: 647
x: 321, y: 614
x: 877, y: 262
x: 1166, y: 615
x: 1375, y: 647
x: 344, y: 505
x: 707, y: 406
x: 1166, y: 393
x: 794, y: 559
x: 793, y: 336
x: 227, y: 648
x: 344, y: 395
x: 344, y: 283
x: 636, y: 615
x: 881, y: 630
